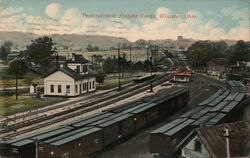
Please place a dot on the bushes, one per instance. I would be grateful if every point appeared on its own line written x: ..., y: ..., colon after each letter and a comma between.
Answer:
x: 13, y: 92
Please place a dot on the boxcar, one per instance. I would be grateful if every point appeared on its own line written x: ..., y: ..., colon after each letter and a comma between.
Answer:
x: 115, y: 127
x: 165, y: 139
x: 26, y: 146
x: 79, y: 143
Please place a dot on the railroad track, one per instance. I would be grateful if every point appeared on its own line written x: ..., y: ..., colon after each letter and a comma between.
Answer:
x: 79, y: 108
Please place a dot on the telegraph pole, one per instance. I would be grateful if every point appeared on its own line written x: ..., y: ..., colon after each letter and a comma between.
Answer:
x: 147, y: 51
x: 119, y: 68
x: 151, y: 80
x: 225, y: 133
x: 130, y: 50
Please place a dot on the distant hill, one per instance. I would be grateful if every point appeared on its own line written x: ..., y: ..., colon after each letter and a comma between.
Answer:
x: 73, y: 41
x: 80, y: 42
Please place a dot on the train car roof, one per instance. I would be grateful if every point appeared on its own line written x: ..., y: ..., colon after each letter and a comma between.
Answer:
x: 59, y: 137
x: 118, y: 119
x: 123, y: 107
x: 211, y: 98
x: 230, y: 106
x: 169, y: 126
x: 231, y: 96
x: 220, y: 106
x: 40, y: 136
x: 200, y: 113
x: 219, y: 99
x: 95, y: 123
x: 239, y: 97
x: 204, y: 119
x: 179, y: 127
x: 135, y: 107
x: 215, y: 119
x: 192, y: 112
x: 75, y: 136
x: 146, y: 107
x: 91, y: 119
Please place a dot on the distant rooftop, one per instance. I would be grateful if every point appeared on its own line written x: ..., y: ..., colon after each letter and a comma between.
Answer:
x: 71, y: 73
x: 218, y: 61
x: 77, y: 58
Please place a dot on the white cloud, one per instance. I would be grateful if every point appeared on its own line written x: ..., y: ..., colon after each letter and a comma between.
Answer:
x: 156, y: 28
x: 53, y: 10
x: 10, y: 11
x: 72, y: 17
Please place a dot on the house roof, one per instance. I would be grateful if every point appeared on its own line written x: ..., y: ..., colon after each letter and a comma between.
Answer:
x: 214, y: 141
x: 77, y: 58
x: 71, y: 73
x: 218, y: 61
x: 182, y: 74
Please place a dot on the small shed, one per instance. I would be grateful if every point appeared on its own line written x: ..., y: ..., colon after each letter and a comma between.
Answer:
x: 182, y: 77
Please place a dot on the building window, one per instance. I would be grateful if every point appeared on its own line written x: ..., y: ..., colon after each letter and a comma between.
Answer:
x: 52, y: 88
x: 78, y: 69
x: 68, y: 89
x: 59, y: 88
x: 197, y: 146
x: 84, y: 86
x: 93, y: 84
x: 76, y: 89
x: 89, y: 85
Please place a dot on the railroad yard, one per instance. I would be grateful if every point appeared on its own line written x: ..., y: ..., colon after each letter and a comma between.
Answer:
x: 122, y: 123
x: 138, y: 146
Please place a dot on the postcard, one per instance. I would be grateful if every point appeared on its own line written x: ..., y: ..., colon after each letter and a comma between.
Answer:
x: 124, y: 79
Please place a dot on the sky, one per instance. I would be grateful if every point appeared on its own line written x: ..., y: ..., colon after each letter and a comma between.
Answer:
x: 131, y: 19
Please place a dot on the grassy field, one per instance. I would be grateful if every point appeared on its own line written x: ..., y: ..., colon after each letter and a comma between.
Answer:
x: 8, y: 105
x: 136, y: 55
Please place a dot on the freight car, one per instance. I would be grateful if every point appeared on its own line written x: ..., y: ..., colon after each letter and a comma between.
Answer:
x: 223, y: 106
x: 144, y: 78
x: 236, y: 86
x: 87, y: 136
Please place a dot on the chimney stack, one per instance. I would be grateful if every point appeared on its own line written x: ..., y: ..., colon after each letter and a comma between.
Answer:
x: 73, y: 56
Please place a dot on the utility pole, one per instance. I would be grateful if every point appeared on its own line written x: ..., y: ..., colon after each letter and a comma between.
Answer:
x: 57, y: 66
x: 225, y: 133
x: 119, y: 68
x: 147, y: 51
x: 151, y: 80
x: 16, y: 82
x: 130, y: 50
x: 36, y: 141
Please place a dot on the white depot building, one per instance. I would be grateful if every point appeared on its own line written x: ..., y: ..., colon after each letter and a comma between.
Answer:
x: 72, y: 79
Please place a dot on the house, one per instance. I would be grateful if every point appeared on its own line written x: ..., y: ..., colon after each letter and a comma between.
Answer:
x: 72, y: 79
x: 78, y: 63
x: 12, y: 56
x: 182, y: 76
x: 225, y: 140
x: 239, y: 71
x: 217, y: 66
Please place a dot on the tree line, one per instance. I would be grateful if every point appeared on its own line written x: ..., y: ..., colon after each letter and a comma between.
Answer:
x: 201, y: 52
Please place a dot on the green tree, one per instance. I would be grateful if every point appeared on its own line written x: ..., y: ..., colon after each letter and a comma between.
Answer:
x: 40, y: 50
x: 100, y: 77
x: 5, y: 49
x: 202, y: 51
x: 18, y: 68
x: 241, y: 52
x: 110, y: 65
